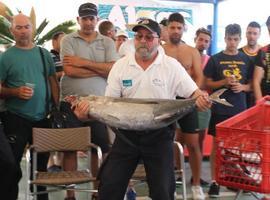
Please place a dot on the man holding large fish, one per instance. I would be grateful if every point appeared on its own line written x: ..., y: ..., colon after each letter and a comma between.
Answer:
x: 148, y: 74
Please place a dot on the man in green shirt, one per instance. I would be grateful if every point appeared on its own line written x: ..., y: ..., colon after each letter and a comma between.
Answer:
x: 24, y: 89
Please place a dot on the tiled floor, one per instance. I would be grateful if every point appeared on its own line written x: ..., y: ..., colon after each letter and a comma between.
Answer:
x: 142, y: 188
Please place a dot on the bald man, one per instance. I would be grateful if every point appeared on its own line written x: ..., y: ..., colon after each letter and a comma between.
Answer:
x: 21, y: 66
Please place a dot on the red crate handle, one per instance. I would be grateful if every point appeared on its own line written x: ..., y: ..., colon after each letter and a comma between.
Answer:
x: 263, y: 100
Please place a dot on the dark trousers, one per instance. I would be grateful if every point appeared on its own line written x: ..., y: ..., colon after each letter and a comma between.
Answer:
x: 155, y: 149
x: 19, y: 133
x: 7, y: 166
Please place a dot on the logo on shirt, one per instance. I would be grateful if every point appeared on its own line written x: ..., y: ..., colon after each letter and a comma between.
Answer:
x: 236, y: 72
x: 127, y: 83
x: 158, y: 82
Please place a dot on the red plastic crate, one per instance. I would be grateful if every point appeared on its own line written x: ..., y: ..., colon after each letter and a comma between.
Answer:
x: 243, y: 149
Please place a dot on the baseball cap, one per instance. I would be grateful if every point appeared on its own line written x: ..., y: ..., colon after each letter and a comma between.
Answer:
x: 268, y: 21
x: 149, y: 24
x: 164, y: 22
x: 121, y: 33
x: 87, y: 9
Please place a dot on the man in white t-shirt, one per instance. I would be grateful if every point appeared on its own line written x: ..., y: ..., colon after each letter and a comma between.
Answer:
x: 147, y: 73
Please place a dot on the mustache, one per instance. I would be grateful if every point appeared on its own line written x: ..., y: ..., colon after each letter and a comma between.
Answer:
x: 25, y: 36
x: 142, y: 46
x: 89, y: 27
x: 176, y: 35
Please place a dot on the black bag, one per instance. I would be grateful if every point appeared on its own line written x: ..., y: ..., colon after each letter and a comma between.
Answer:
x: 55, y: 117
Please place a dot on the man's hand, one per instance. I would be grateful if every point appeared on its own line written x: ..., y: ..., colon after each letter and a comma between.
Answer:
x: 24, y: 92
x: 75, y: 61
x: 230, y: 80
x: 237, y: 87
x: 202, y: 102
x: 81, y: 110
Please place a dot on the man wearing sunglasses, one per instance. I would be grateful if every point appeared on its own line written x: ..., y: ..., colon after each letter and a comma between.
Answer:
x: 147, y: 73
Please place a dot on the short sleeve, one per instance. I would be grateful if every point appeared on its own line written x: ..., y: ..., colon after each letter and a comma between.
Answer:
x: 209, y: 68
x: 66, y: 47
x: 111, y: 53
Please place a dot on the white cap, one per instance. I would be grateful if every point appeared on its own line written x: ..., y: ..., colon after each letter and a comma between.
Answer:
x: 121, y: 33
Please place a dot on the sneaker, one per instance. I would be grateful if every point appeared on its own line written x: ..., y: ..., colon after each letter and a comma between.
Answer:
x: 179, y: 181
x: 197, y: 192
x: 131, y: 194
x: 214, y: 190
x: 203, y: 183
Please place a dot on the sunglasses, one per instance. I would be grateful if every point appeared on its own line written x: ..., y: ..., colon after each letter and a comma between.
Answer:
x: 148, y: 38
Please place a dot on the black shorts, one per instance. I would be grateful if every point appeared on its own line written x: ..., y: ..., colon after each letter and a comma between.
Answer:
x: 214, y: 120
x: 189, y: 123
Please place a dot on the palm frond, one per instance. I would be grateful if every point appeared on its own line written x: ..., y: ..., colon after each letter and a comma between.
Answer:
x: 5, y: 11
x: 33, y: 21
x: 41, y: 27
x: 66, y: 27
x: 4, y: 28
x: 5, y: 40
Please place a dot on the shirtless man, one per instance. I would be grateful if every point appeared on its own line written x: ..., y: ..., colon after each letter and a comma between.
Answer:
x: 188, y: 56
x: 190, y: 59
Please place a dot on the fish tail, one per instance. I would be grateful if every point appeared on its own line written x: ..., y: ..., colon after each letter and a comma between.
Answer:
x: 215, y: 97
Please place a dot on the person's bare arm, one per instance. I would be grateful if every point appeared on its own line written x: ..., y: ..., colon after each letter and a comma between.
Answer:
x: 55, y: 90
x: 197, y: 73
x: 22, y: 92
x: 216, y: 84
x: 202, y: 100
x: 257, y: 78
x: 77, y: 72
x: 238, y: 87
x: 101, y: 69
x: 68, y: 58
x: 80, y: 109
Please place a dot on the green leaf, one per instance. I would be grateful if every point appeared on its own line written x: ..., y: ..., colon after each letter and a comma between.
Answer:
x: 4, y: 28
x: 5, y: 40
x: 66, y: 27
x: 41, y: 27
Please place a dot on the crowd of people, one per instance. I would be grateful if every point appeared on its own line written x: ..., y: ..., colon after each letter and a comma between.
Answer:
x: 155, y: 63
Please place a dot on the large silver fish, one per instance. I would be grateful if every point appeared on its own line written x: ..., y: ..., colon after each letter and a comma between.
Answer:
x: 142, y: 114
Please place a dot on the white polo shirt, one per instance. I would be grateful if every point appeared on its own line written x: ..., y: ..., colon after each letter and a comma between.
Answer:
x: 165, y: 78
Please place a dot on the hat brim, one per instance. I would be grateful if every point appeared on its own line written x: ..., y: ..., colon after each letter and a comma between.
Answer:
x: 136, y: 27
x: 124, y: 35
x: 88, y: 15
